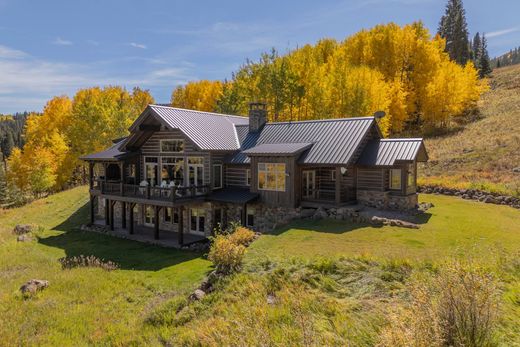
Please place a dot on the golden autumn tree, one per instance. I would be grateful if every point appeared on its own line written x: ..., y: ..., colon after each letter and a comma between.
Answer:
x: 199, y: 95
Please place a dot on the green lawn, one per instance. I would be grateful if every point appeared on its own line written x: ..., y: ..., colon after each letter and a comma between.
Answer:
x: 84, y: 305
x: 453, y: 226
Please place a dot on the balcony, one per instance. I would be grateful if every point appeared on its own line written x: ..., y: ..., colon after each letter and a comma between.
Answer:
x: 140, y: 192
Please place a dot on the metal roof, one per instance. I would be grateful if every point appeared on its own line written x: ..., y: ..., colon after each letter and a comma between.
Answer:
x: 278, y: 149
x: 110, y: 154
x: 233, y: 195
x: 209, y: 131
x: 385, y: 152
x: 334, y: 140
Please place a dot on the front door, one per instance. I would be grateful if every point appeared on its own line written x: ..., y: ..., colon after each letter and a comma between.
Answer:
x: 309, y: 184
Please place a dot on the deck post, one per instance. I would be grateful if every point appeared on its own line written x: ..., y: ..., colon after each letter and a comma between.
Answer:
x: 131, y: 226
x: 156, y: 223
x: 112, y: 204
x: 107, y: 213
x: 244, y: 214
x: 91, y: 174
x: 123, y: 214
x: 92, y: 209
x: 338, y: 185
x: 181, y: 225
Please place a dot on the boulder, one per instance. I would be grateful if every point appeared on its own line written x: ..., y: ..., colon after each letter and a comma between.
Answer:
x: 23, y: 238
x: 320, y: 214
x: 490, y: 200
x: 375, y: 220
x: 33, y: 286
x: 198, y: 294
x: 21, y: 229
x: 271, y: 299
x: 516, y: 170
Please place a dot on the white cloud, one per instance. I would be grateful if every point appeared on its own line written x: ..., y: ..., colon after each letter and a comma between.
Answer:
x: 137, y: 45
x: 61, y: 42
x: 502, y: 32
x: 9, y: 53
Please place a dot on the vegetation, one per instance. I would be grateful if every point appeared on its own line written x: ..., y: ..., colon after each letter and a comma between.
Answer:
x: 228, y: 248
x: 400, y: 70
x: 454, y: 29
x: 312, y: 283
x: 510, y: 58
x: 482, y: 154
x: 11, y: 129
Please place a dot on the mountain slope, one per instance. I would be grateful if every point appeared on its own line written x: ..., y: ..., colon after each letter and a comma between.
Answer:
x: 484, y: 154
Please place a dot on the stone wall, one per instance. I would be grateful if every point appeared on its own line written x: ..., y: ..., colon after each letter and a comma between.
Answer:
x: 386, y: 200
x: 473, y: 194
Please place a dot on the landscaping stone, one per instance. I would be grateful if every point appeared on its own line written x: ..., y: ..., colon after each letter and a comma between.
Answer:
x: 20, y: 229
x: 33, y: 286
x: 198, y: 294
x: 516, y: 170
x: 23, y: 238
x: 320, y: 214
x: 307, y: 212
x: 271, y: 299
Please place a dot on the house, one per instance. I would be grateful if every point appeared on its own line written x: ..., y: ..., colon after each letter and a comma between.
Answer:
x: 183, y: 171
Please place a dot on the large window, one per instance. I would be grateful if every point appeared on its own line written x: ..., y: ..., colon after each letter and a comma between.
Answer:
x: 217, y: 176
x: 172, y: 170
x: 395, y: 179
x: 172, y: 146
x: 151, y: 170
x: 271, y: 176
x: 198, y: 219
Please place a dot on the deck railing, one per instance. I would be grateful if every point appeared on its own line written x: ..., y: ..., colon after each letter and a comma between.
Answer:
x: 319, y: 194
x: 148, y: 192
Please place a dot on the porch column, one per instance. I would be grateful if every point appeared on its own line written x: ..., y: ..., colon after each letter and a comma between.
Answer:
x: 107, y: 212
x: 91, y: 174
x: 121, y: 178
x: 123, y: 214
x: 131, y: 221
x: 244, y: 214
x: 338, y: 185
x: 156, y: 223
x: 112, y: 204
x: 92, y: 209
x: 181, y: 225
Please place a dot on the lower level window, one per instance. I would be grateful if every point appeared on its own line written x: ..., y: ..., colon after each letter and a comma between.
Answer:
x: 395, y: 179
x: 168, y: 214
x: 250, y: 222
x: 197, y: 220
x: 149, y: 215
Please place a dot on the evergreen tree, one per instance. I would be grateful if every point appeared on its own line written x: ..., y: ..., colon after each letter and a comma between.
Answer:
x: 454, y: 29
x: 476, y: 49
x: 8, y: 144
x: 484, y: 64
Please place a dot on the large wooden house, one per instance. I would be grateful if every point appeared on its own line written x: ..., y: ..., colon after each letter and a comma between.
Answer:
x: 183, y: 171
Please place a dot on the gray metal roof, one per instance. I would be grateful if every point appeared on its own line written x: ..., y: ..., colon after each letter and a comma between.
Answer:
x: 110, y: 154
x: 233, y: 195
x: 334, y: 140
x: 209, y: 131
x: 278, y: 149
x: 385, y: 152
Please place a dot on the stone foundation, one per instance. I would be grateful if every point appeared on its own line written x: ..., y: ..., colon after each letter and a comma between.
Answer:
x: 386, y: 200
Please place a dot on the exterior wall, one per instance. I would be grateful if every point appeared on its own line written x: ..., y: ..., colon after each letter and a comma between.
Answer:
x: 235, y: 175
x: 276, y: 198
x: 387, y: 200
x: 371, y: 179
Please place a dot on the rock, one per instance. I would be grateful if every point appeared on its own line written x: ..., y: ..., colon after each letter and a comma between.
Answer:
x: 490, y: 200
x: 33, y: 286
x: 23, y: 238
x: 375, y: 220
x: 198, y: 294
x: 425, y: 206
x: 271, y: 299
x: 20, y: 229
x: 320, y: 214
x: 516, y: 170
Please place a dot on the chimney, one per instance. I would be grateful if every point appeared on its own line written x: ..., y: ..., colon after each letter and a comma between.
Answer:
x: 257, y: 116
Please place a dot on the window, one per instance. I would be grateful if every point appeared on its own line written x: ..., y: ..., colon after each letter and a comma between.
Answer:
x: 175, y: 217
x: 172, y: 170
x: 271, y: 176
x: 333, y: 175
x: 151, y: 170
x: 197, y: 220
x: 395, y: 179
x: 411, y: 176
x: 149, y: 215
x: 168, y: 214
x: 217, y: 176
x: 250, y: 222
x: 172, y: 146
x: 248, y: 177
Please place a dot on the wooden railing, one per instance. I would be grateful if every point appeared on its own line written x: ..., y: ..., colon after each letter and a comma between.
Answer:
x: 319, y: 194
x: 147, y: 192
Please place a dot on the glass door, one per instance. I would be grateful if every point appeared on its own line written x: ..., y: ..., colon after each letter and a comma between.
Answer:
x: 150, y: 170
x: 309, y: 184
x: 196, y: 174
x: 149, y: 216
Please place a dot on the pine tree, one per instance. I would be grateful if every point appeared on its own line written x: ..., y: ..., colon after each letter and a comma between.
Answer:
x: 484, y: 64
x: 476, y: 49
x: 454, y: 29
x: 5, y: 193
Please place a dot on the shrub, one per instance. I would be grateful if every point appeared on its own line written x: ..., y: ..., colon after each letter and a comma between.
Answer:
x: 87, y: 261
x: 242, y: 236
x: 226, y: 255
x: 458, y: 307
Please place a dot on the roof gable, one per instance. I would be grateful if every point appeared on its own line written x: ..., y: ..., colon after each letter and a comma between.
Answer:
x: 386, y: 152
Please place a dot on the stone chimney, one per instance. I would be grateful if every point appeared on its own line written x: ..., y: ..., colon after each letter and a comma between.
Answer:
x: 257, y: 116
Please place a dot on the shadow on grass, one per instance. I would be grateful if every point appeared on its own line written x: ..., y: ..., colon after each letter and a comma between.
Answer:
x: 130, y: 255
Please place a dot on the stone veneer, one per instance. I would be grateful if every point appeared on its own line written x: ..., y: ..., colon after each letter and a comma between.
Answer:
x: 386, y: 200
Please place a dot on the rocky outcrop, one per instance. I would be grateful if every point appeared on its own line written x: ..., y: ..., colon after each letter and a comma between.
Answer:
x: 21, y: 229
x: 473, y: 194
x: 33, y: 286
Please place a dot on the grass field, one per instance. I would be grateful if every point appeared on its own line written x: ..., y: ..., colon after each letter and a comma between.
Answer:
x: 334, y: 281
x: 484, y: 153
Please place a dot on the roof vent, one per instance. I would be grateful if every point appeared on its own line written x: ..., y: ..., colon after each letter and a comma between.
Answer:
x: 257, y: 116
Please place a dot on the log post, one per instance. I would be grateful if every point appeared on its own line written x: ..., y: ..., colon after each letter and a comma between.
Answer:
x: 156, y: 223
x: 91, y: 174
x: 92, y: 209
x: 107, y: 212
x: 112, y: 205
x: 123, y: 214
x: 338, y: 185
x: 131, y: 226
x: 181, y: 226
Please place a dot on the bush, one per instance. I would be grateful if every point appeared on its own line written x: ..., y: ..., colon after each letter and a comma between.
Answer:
x: 242, y: 236
x: 458, y: 307
x: 226, y: 255
x: 87, y: 261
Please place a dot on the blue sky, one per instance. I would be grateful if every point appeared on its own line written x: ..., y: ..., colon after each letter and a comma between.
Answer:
x: 50, y: 48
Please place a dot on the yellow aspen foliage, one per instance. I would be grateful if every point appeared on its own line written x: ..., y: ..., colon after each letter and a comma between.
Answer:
x: 200, y: 95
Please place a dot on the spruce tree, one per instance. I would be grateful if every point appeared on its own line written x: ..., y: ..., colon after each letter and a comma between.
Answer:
x: 454, y: 29
x: 476, y: 50
x: 484, y: 63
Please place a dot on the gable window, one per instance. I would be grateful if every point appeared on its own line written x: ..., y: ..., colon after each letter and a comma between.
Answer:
x: 217, y: 176
x: 172, y: 146
x: 248, y: 177
x: 271, y: 176
x: 395, y: 179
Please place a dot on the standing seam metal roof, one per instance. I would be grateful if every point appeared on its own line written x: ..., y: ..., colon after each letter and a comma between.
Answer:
x: 385, y: 152
x: 278, y: 149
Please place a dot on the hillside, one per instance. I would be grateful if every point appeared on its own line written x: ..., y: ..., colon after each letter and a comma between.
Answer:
x: 485, y: 153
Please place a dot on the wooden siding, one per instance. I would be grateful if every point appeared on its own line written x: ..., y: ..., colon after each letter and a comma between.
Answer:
x: 371, y: 179
x: 235, y: 176
x: 276, y: 198
x: 348, y: 184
